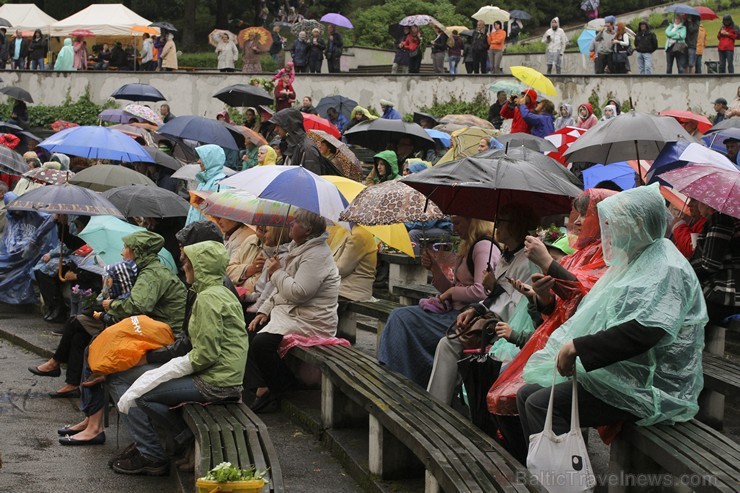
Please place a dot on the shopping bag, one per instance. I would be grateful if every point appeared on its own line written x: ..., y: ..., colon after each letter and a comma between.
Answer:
x: 561, y: 462
x: 121, y: 346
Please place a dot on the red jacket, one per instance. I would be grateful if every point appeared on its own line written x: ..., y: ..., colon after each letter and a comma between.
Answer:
x: 726, y: 39
x: 411, y: 42
x: 283, y: 100
x: 682, y: 235
x: 518, y: 125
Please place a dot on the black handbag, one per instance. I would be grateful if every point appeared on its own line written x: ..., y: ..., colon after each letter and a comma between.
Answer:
x: 679, y: 47
x: 478, y: 371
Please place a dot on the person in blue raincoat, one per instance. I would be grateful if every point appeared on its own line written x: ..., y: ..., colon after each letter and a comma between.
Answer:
x: 212, y: 160
x: 66, y: 57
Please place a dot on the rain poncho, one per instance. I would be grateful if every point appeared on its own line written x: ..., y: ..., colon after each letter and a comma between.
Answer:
x: 213, y: 158
x: 587, y: 265
x: 651, y: 283
x: 270, y: 157
x: 66, y: 57
x: 567, y: 120
x: 391, y: 172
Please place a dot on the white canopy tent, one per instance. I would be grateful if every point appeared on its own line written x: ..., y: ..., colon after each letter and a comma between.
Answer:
x: 26, y: 17
x: 103, y: 19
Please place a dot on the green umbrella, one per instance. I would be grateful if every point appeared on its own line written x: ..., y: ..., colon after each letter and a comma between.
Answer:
x: 102, y: 177
x: 105, y: 235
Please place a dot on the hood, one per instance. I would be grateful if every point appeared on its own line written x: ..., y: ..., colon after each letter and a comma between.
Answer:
x: 270, y: 157
x: 610, y: 18
x: 199, y: 231
x: 292, y: 122
x: 556, y: 21
x: 590, y: 227
x: 364, y: 111
x: 62, y: 159
x: 727, y: 20
x: 213, y: 158
x: 38, y: 31
x: 209, y: 260
x: 145, y: 245
x: 643, y: 21
x: 68, y: 42
x: 389, y: 157
x: 568, y: 108
x: 588, y: 107
x: 9, y: 197
x: 630, y: 222
x: 225, y: 115
x: 614, y: 112
x: 532, y: 96
x: 123, y: 275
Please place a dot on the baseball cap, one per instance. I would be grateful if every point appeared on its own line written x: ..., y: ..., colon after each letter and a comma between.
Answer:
x: 721, y: 101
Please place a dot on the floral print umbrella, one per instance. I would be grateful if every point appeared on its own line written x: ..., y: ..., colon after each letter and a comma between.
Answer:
x: 390, y: 202
x: 306, y: 25
x: 349, y: 165
x: 144, y: 113
x: 717, y: 187
x: 419, y: 20
x: 261, y: 35
x: 48, y: 176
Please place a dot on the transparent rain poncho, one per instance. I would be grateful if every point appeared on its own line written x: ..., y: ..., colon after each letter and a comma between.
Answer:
x: 648, y: 281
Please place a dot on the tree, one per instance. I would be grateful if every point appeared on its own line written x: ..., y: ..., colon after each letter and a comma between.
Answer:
x: 188, y: 35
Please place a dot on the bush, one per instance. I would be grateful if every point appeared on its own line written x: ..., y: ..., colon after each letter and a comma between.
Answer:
x: 209, y: 60
x: 478, y: 106
x: 656, y: 21
x: 82, y: 112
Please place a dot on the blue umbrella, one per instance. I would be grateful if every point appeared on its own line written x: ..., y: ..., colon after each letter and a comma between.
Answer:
x: 678, y: 154
x: 716, y: 140
x: 203, y: 130
x: 620, y: 173
x: 681, y: 8
x: 585, y: 39
x: 97, y: 143
x: 442, y: 137
x: 116, y: 116
x: 138, y: 92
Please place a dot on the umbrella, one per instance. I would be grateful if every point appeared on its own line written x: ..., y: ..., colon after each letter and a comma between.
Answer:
x: 145, y: 201
x: 379, y: 134
x: 706, y: 13
x: 259, y: 35
x: 59, y: 125
x: 48, y: 176
x: 467, y: 32
x: 292, y: 185
x: 105, y: 235
x: 6, y: 127
x: 508, y: 86
x: 134, y: 132
x: 419, y: 116
x: 11, y: 162
x: 702, y: 122
x: 678, y: 154
x: 338, y: 20
x: 86, y: 33
x: 144, y: 113
x: 306, y: 25
x: 343, y: 105
x: 467, y: 120
x: 243, y: 95
x: 96, y: 143
x: 464, y: 143
x: 490, y: 14
x: 681, y: 8
x: 418, y: 20
x: 390, y: 202
x: 244, y: 207
x: 102, y: 177
x: 459, y: 29
x: 200, y: 129
x: 215, y: 36
x: 64, y: 199
x: 189, y: 171
x: 534, y: 79
x: 725, y: 124
x: 478, y: 371
x: 620, y: 173
x: 254, y: 137
x: 521, y: 176
x: 145, y: 29
x: 519, y: 14
x: 526, y: 140
x: 164, y: 25
x: 17, y: 93
x: 116, y: 116
x: 5, y: 23
x: 718, y: 188
x: 716, y: 139
x: 563, y: 139
x: 442, y: 137
x: 180, y: 149
x: 138, y: 92
x: 163, y: 159
x: 394, y: 235
x: 349, y: 165
x: 584, y: 41
x: 313, y: 122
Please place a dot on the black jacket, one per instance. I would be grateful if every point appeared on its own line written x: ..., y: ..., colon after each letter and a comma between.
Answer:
x: 316, y: 51
x: 38, y: 47
x: 24, y: 48
x: 646, y: 41
x: 300, y: 149
x: 334, y: 50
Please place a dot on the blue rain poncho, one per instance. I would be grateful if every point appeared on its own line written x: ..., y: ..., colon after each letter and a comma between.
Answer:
x: 214, y: 159
x: 650, y: 282
x: 66, y: 57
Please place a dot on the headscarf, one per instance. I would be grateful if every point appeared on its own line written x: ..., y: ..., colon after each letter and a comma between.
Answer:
x: 614, y: 110
x: 66, y: 56
x: 651, y: 283
x: 270, y: 157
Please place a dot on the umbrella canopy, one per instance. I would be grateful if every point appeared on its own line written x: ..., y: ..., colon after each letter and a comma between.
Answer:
x: 138, y: 92
x: 163, y: 159
x: 292, y: 185
x: 254, y: 137
x: 313, y: 122
x: 216, y: 36
x: 343, y: 105
x: 96, y: 143
x: 563, y: 139
x: 442, y: 137
x: 64, y: 199
x: 526, y: 140
x: 464, y: 143
x: 204, y: 130
x: 459, y: 29
x: 102, y: 177
x: 490, y: 14
x: 725, y: 124
x: 134, y: 132
x: 244, y: 207
x: 475, y: 187
x: 85, y: 33
x: 379, y: 134
x: 681, y: 8
x: 390, y: 202
x: 164, y: 25
x: 418, y: 20
x: 349, y: 165
x: 259, y: 35
x: 467, y: 120
x: 145, y: 201
x: 17, y: 93
x: 508, y: 86
x: 394, y: 235
x: 189, y: 171
x: 678, y: 154
x: 718, y: 188
x: 419, y: 117
x: 620, y: 173
x: 7, y: 127
x: 5, y: 23
x: 716, y: 139
x: 306, y: 25
x: 519, y: 14
x: 116, y: 116
x: 338, y: 20
x: 706, y: 13
x: 702, y: 122
x: 239, y: 95
x: 584, y: 41
x: 534, y: 79
x: 11, y: 162
x: 48, y: 176
x: 145, y: 29
x: 144, y: 113
x: 181, y: 149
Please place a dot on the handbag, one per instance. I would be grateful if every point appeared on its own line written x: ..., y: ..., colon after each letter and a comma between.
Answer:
x: 478, y: 370
x: 472, y: 335
x: 561, y: 462
x: 679, y: 47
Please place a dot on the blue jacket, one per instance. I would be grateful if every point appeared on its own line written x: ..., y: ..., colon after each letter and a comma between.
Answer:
x: 391, y: 114
x: 213, y: 158
x: 340, y: 122
x: 539, y: 125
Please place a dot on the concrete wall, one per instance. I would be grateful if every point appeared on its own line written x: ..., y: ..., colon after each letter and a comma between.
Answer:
x: 191, y: 93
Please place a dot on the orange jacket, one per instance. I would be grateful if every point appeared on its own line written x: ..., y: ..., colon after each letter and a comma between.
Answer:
x: 496, y: 39
x: 701, y: 40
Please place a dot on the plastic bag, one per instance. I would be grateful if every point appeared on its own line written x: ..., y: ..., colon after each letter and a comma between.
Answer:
x: 174, y: 368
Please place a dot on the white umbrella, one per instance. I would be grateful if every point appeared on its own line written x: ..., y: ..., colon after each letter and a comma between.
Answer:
x: 490, y: 14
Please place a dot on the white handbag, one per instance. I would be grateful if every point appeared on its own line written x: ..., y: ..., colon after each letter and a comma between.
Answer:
x: 561, y: 462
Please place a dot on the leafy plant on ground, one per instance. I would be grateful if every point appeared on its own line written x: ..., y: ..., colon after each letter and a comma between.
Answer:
x: 455, y: 106
x: 83, y: 111
x: 209, y: 60
x: 225, y: 472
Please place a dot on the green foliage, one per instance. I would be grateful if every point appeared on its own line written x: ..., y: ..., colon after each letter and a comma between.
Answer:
x: 454, y: 106
x: 225, y: 472
x: 83, y: 111
x: 594, y: 99
x: 209, y: 60
x: 656, y: 21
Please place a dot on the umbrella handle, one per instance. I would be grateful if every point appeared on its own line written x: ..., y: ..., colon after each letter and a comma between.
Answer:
x: 61, y: 258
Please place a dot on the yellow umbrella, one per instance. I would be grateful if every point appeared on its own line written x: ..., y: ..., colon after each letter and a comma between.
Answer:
x: 465, y: 143
x: 145, y: 29
x: 459, y: 29
x: 534, y: 79
x: 393, y: 235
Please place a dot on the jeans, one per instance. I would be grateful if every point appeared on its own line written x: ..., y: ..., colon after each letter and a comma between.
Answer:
x: 38, y: 64
x: 726, y: 62
x: 602, y: 62
x: 19, y: 63
x: 454, y: 60
x: 698, y: 64
x: 680, y: 58
x: 691, y: 62
x: 645, y: 63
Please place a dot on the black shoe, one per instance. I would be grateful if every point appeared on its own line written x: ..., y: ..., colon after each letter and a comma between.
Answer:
x: 128, y: 452
x: 51, y: 373
x: 99, y: 439
x: 69, y: 393
x: 58, y: 332
x: 268, y: 402
x: 53, y: 313
x: 142, y: 465
x: 66, y: 431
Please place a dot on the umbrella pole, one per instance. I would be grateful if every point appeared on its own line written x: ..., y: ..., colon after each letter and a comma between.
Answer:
x: 639, y: 167
x: 285, y: 223
x: 490, y: 252
x: 61, y: 257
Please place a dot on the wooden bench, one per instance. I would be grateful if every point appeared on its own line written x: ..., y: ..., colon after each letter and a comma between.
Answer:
x: 403, y: 270
x: 379, y: 310
x: 411, y: 294
x: 410, y: 433
x: 232, y: 433
x: 721, y: 378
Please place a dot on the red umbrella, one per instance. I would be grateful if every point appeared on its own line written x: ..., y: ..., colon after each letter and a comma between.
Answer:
x: 706, y: 13
x: 60, y: 125
x: 82, y: 32
x: 702, y: 122
x: 313, y: 122
x: 562, y: 139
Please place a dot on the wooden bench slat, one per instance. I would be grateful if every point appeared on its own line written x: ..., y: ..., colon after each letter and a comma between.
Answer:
x: 217, y: 454
x: 195, y: 422
x: 226, y: 431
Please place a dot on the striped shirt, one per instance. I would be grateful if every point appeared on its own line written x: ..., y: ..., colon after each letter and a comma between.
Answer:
x: 716, y: 260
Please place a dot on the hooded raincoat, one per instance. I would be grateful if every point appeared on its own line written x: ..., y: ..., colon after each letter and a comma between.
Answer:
x: 648, y: 282
x: 590, y: 120
x: 301, y: 149
x: 392, y: 160
x: 511, y: 110
x: 66, y: 57
x: 567, y: 120
x: 213, y: 158
x: 157, y: 293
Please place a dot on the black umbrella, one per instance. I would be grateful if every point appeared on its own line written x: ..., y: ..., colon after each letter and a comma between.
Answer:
x: 138, y: 92
x: 17, y: 93
x: 519, y: 14
x: 205, y: 130
x: 65, y: 199
x: 180, y: 149
x: 163, y: 159
x: 9, y: 128
x: 164, y: 25
x: 144, y: 201
x: 418, y: 117
x: 381, y: 133
x: 529, y: 141
x: 467, y: 32
x: 725, y: 125
x: 5, y: 23
x: 343, y: 105
x: 243, y: 95
x: 11, y: 162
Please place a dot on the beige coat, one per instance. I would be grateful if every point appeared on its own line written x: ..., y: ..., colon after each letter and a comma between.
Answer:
x: 356, y: 256
x: 169, y: 55
x: 306, y: 292
x: 243, y: 246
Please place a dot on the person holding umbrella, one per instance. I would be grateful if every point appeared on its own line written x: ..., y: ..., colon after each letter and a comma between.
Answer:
x: 675, y: 45
x: 439, y: 49
x: 227, y: 53
x: 496, y: 43
x: 511, y: 110
x: 334, y: 46
x: 455, y: 52
x: 169, y: 54
x: 80, y: 51
x: 251, y: 56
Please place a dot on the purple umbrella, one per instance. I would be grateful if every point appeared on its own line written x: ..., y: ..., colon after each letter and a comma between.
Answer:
x: 116, y: 116
x: 338, y: 20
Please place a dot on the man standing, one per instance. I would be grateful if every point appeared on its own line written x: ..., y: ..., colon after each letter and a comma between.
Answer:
x: 19, y: 51
x: 692, y: 35
x: 603, y: 45
x: 389, y: 113
x: 556, y: 41
x: 494, y: 112
x: 147, y: 53
x: 479, y: 48
x: 720, y: 106
x: 701, y: 44
x: 334, y: 46
x: 645, y: 44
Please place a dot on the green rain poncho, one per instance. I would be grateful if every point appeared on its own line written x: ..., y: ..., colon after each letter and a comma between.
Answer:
x: 66, y: 56
x: 650, y: 282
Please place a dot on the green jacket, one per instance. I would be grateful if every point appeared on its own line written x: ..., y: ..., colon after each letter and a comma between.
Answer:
x: 217, y: 329
x: 392, y: 160
x: 157, y: 292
